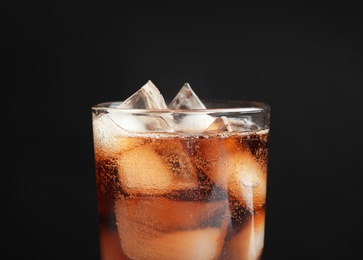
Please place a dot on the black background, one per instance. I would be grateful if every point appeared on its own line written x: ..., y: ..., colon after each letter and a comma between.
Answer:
x: 303, y: 60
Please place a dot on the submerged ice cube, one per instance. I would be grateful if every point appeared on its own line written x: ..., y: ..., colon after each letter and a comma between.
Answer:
x: 161, y: 228
x: 166, y: 215
x: 186, y: 99
x: 235, y: 169
x: 248, y: 243
x: 157, y: 168
x: 205, y: 243
x: 247, y: 181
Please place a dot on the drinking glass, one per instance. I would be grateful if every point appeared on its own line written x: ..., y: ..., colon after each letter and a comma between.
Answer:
x: 181, y: 183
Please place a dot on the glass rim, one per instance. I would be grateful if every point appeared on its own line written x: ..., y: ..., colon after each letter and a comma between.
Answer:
x: 222, y: 105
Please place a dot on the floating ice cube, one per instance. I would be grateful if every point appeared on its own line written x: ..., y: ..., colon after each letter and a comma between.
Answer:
x: 141, y: 122
x: 147, y: 97
x: 109, y: 135
x: 248, y: 243
x: 243, y: 124
x: 160, y: 228
x: 186, y: 99
x: 221, y: 124
x: 105, y: 130
x: 155, y: 168
x: 192, y: 123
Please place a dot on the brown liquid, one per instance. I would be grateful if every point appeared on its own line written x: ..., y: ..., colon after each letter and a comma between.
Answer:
x: 182, y: 196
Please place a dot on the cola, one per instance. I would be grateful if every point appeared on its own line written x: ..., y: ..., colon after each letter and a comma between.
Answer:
x: 207, y: 203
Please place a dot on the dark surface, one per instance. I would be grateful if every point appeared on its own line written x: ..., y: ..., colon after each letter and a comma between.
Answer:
x: 304, y: 60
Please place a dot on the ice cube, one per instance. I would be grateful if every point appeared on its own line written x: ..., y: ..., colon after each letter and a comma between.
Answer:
x: 157, y: 167
x: 243, y: 124
x: 231, y: 167
x: 147, y: 97
x: 165, y: 214
x: 104, y: 131
x: 247, y: 181
x: 192, y: 123
x: 109, y: 136
x: 205, y: 243
x: 160, y: 228
x: 248, y: 243
x: 221, y: 124
x: 141, y: 122
x: 186, y: 99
